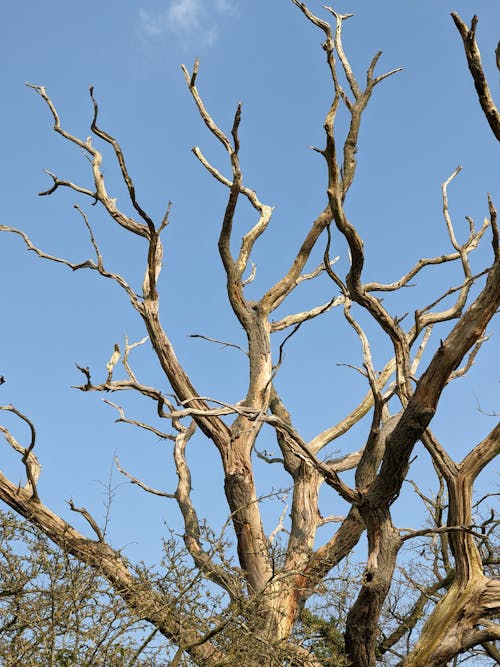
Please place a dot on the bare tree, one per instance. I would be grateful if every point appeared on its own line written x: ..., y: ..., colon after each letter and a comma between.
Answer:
x: 256, y: 621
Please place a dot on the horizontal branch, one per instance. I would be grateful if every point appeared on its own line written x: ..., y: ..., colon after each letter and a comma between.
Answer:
x: 142, y: 425
x: 299, y: 318
x: 87, y: 264
x: 438, y: 531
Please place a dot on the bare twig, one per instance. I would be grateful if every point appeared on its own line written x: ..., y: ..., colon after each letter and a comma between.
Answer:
x: 139, y: 483
x: 438, y: 531
x: 128, y: 348
x: 220, y: 342
x: 266, y: 456
x: 133, y: 422
x: 87, y: 264
x: 90, y: 520
x: 304, y: 452
x: 280, y: 528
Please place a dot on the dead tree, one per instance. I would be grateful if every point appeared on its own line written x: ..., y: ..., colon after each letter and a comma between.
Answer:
x: 265, y: 595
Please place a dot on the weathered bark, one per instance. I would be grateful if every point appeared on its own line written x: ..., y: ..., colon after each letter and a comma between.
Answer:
x: 362, y: 622
x: 473, y: 56
x: 234, y: 445
x: 461, y: 618
x: 242, y: 498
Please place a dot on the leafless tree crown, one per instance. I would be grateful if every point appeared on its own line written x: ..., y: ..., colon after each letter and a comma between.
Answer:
x: 258, y: 616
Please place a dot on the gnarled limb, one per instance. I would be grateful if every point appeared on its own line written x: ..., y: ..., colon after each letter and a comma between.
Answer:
x: 414, y: 420
x: 473, y: 56
x: 455, y: 623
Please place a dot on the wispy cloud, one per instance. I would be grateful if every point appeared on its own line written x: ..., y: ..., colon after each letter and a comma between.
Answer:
x: 189, y: 21
x: 224, y: 6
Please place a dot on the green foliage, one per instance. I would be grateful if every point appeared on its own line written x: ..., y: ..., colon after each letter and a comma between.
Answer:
x: 326, y: 639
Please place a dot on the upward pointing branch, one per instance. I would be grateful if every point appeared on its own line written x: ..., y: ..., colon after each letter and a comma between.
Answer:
x: 121, y: 161
x: 473, y: 56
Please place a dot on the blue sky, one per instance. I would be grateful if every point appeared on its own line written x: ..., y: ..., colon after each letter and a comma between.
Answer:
x: 419, y: 126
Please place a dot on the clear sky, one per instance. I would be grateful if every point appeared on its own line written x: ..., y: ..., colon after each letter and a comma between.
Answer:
x: 420, y: 125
